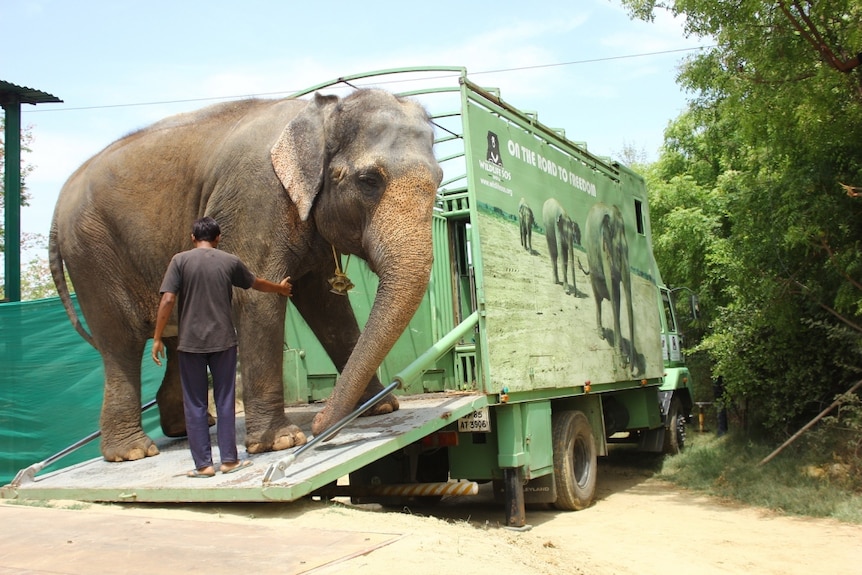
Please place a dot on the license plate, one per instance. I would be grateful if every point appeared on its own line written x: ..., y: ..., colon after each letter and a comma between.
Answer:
x: 477, y: 422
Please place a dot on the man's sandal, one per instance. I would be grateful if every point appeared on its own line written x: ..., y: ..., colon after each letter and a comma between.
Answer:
x: 237, y: 467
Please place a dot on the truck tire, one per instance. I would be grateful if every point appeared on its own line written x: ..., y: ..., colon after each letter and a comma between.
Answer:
x: 574, y: 460
x: 674, y: 436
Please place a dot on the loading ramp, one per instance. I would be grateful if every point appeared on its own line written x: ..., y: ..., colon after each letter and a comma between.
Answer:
x: 163, y: 478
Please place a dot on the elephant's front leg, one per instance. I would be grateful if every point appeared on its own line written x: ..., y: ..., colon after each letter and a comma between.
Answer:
x: 261, y: 343
x: 123, y: 437
x: 331, y: 318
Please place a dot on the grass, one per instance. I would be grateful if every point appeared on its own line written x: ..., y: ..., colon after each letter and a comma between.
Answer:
x: 797, y: 482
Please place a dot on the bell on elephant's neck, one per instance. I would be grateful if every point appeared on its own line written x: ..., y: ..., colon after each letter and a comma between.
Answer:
x: 340, y: 283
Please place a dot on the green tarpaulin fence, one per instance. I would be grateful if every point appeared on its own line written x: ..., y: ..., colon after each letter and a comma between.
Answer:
x: 51, y: 387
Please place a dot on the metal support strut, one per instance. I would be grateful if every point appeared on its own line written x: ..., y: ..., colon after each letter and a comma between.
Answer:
x: 276, y: 470
x: 513, y: 493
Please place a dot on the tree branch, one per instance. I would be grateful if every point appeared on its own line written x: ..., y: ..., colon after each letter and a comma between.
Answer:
x: 811, y: 34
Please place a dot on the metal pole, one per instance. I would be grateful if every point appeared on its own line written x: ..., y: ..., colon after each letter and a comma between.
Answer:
x: 808, y: 426
x: 28, y: 474
x: 277, y: 470
x: 12, y: 183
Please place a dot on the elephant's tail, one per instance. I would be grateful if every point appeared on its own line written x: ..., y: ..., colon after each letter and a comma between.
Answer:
x: 58, y: 272
x: 580, y: 265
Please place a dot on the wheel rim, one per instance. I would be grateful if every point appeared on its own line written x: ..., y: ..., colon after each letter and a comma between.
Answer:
x: 680, y: 430
x: 580, y: 462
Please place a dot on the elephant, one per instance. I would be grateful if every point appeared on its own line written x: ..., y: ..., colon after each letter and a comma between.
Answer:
x: 294, y: 184
x: 562, y: 234
x: 608, y: 261
x: 526, y: 221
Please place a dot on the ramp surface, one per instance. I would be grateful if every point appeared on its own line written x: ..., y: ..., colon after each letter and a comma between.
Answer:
x: 163, y: 478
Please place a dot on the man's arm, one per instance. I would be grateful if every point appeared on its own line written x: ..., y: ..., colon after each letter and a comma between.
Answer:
x: 166, y: 306
x: 283, y: 287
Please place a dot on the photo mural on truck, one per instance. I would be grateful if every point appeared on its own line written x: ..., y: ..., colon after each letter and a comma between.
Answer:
x: 580, y: 306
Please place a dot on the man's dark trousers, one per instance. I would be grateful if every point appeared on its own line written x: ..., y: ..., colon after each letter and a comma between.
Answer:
x: 193, y: 374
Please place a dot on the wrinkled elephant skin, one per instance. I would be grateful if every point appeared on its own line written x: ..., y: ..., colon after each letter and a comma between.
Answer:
x: 289, y: 181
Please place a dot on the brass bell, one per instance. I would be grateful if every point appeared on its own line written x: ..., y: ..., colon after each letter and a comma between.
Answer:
x: 340, y: 283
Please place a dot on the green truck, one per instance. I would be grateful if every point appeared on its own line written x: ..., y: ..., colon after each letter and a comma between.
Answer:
x: 546, y: 334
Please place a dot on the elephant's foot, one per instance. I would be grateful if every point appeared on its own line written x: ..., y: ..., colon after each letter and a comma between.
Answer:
x: 326, y: 418
x: 129, y: 450
x: 386, y: 405
x: 275, y: 440
x: 176, y: 427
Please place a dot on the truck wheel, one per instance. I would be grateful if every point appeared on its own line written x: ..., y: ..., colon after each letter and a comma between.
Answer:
x: 574, y: 460
x: 674, y: 436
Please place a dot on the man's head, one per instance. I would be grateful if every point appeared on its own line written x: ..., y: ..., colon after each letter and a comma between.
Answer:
x: 205, y: 229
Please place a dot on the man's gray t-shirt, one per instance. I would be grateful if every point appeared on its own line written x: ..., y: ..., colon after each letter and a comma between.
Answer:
x: 203, y: 279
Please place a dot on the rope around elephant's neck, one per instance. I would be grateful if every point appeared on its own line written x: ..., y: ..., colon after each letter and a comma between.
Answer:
x: 340, y: 283
x: 338, y: 270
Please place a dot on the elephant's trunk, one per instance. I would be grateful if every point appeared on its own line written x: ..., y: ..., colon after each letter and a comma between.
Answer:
x: 398, y: 247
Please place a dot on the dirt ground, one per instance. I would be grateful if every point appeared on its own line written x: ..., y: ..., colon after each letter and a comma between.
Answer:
x: 638, y: 525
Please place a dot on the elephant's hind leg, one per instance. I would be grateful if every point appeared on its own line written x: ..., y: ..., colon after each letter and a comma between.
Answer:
x: 123, y: 437
x: 170, y: 394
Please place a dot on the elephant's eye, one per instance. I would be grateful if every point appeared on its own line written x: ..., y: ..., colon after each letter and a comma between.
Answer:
x: 369, y: 182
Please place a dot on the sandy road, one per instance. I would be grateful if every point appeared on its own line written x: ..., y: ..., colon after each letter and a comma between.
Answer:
x: 638, y: 525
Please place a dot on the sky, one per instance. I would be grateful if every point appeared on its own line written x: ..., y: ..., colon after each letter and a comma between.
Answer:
x: 120, y: 65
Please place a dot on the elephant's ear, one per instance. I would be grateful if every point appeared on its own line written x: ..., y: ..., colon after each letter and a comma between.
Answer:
x: 298, y: 155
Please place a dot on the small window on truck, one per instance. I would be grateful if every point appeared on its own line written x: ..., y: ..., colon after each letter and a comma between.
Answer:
x: 639, y: 216
x: 668, y: 311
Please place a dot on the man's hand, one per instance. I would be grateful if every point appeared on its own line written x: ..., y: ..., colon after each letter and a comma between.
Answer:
x: 286, y: 288
x: 158, y: 350
x: 283, y: 287
x: 166, y: 306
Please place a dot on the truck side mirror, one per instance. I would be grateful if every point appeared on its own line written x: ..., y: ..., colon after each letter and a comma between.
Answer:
x: 695, y: 307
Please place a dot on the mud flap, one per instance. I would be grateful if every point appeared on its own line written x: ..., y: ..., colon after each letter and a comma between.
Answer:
x: 539, y: 490
x: 652, y: 440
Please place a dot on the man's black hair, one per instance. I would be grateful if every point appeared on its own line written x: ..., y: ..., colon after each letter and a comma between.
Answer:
x: 206, y: 229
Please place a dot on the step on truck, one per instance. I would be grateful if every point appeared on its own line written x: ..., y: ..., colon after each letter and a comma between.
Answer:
x: 546, y: 334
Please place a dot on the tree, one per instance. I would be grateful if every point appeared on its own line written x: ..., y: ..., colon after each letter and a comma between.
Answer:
x: 26, y: 169
x: 36, y: 280
x: 747, y: 197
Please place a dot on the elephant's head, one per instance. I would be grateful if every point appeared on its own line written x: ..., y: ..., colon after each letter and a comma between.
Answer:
x: 363, y: 168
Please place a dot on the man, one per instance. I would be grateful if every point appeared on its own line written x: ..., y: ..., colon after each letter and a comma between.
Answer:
x: 201, y: 280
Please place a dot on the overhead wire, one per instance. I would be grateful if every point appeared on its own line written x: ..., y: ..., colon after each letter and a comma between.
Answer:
x: 54, y: 109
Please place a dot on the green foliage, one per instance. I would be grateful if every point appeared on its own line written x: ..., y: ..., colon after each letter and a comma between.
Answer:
x: 36, y: 279
x: 26, y: 169
x: 797, y: 481
x: 838, y: 437
x: 747, y: 204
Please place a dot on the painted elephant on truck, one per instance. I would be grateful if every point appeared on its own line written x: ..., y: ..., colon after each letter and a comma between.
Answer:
x: 562, y: 234
x: 525, y: 223
x: 291, y: 183
x: 608, y: 260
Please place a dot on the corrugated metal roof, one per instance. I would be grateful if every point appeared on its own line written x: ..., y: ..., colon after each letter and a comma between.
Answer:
x: 25, y: 95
